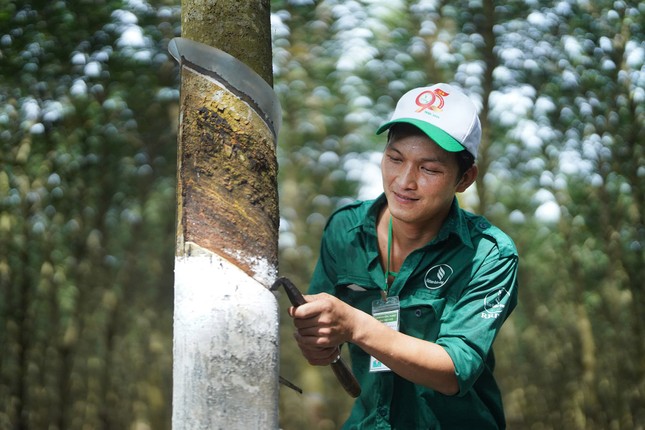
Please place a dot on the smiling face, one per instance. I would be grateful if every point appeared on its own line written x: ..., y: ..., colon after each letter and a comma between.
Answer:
x: 420, y: 178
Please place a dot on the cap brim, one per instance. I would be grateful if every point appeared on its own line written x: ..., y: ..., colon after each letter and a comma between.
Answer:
x: 439, y: 136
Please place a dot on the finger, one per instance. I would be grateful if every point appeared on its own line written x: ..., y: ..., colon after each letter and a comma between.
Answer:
x: 308, y: 310
x: 316, y: 304
x: 319, y: 356
x: 303, y: 312
x: 313, y: 341
x: 319, y: 362
x: 322, y: 357
x: 309, y: 323
x: 316, y: 331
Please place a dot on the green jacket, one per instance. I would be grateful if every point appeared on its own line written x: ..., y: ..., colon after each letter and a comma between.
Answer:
x: 455, y: 291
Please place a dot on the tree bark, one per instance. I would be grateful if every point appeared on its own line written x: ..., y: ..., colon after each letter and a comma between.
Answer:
x: 226, y: 339
x: 241, y: 28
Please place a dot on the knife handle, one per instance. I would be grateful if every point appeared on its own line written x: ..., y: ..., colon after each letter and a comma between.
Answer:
x: 338, y: 366
x: 293, y: 293
x: 346, y: 377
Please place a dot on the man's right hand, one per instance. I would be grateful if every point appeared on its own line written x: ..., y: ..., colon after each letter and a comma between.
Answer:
x: 322, y: 325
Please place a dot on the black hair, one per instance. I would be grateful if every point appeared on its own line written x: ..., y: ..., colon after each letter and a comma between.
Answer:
x: 465, y: 161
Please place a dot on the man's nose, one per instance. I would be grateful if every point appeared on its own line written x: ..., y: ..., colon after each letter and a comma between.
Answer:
x: 406, y: 178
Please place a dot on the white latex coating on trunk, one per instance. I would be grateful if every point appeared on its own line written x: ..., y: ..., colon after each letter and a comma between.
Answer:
x: 226, y: 345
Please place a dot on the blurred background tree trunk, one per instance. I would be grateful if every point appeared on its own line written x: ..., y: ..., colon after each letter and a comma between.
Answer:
x: 86, y: 188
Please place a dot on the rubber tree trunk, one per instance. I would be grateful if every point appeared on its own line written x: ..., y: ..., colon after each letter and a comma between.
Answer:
x: 226, y: 339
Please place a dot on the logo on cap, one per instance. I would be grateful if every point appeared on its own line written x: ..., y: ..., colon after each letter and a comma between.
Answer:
x: 428, y: 98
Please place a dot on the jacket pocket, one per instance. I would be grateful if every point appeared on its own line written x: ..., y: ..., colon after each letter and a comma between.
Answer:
x: 421, y: 314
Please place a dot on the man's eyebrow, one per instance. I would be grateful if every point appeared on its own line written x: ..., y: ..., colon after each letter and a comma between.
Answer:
x: 391, y: 148
x: 433, y: 159
x: 441, y: 160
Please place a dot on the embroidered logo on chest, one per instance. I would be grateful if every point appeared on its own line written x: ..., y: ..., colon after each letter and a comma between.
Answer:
x: 437, y: 276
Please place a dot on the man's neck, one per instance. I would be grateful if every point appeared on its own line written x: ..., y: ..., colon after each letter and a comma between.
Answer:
x: 411, y: 235
x: 406, y: 237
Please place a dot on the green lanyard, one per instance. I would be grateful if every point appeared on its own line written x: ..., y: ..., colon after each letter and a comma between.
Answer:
x: 387, y: 272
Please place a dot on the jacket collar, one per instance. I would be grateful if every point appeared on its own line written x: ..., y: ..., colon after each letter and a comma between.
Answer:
x: 455, y: 223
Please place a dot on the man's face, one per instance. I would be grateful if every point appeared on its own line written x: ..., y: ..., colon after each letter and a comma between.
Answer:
x: 419, y: 179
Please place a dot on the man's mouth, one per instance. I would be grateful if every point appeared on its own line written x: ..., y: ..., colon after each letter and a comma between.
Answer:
x: 404, y: 198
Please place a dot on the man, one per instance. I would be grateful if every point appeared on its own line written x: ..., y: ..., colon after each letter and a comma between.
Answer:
x: 418, y: 287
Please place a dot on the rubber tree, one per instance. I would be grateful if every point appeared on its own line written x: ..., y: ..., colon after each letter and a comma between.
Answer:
x: 226, y: 343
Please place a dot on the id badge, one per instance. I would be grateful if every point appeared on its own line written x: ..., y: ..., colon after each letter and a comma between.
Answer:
x: 388, y: 312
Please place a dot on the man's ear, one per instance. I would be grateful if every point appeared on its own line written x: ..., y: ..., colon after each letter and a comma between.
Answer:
x: 467, y: 178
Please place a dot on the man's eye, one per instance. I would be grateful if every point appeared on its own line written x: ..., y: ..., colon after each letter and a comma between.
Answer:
x: 429, y: 170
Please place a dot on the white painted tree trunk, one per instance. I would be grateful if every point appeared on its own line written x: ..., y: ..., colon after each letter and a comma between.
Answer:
x: 226, y: 342
x: 225, y: 349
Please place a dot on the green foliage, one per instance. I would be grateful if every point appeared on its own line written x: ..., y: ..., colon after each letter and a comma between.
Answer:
x: 86, y: 225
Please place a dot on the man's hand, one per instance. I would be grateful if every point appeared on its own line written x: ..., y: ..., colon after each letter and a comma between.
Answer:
x: 322, y: 325
x: 325, y: 322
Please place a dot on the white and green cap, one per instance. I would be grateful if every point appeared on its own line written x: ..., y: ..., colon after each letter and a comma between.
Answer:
x: 444, y: 113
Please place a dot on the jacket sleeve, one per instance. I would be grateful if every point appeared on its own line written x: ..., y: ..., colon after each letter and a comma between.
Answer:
x: 475, y: 318
x: 323, y: 279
